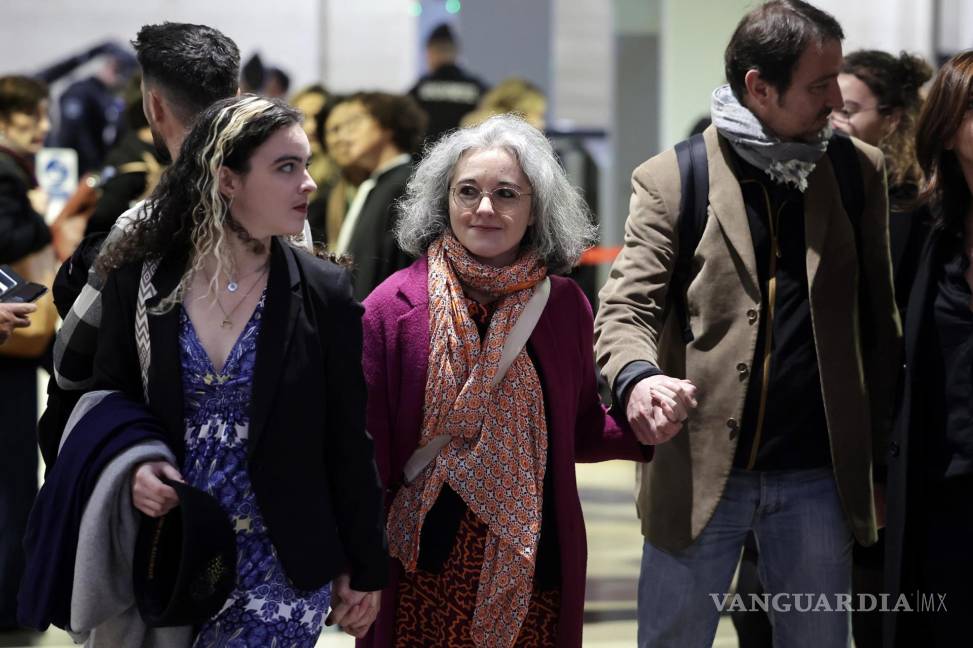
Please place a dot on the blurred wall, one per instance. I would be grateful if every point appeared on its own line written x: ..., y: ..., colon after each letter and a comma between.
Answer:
x: 368, y: 44
x: 581, y: 63
x: 348, y: 45
x: 34, y: 33
x: 694, y: 36
x: 503, y: 38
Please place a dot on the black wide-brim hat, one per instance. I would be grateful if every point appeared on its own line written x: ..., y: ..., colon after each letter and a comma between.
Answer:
x: 185, y: 561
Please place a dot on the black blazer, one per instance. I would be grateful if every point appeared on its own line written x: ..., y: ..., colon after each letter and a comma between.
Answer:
x: 920, y: 412
x: 311, y: 461
x: 908, y: 231
x: 372, y: 247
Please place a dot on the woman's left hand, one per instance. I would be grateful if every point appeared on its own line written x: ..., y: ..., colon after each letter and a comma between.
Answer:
x: 353, y: 611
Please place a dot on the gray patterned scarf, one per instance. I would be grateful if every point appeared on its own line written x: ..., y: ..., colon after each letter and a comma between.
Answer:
x: 784, y: 162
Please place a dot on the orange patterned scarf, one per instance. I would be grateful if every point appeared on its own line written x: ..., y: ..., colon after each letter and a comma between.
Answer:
x: 498, y: 452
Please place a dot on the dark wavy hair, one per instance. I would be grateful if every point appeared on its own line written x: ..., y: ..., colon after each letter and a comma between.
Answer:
x: 771, y: 39
x: 399, y: 114
x: 945, y: 189
x: 186, y: 212
x: 194, y: 64
x: 895, y: 82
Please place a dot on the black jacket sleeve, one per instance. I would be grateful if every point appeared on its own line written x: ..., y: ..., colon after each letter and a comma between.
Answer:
x: 116, y: 357
x: 351, y: 457
x: 22, y: 230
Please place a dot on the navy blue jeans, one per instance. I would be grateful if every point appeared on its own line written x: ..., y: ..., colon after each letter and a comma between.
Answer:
x: 805, y: 549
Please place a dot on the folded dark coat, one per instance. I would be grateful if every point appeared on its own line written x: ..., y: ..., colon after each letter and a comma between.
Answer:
x: 111, y: 426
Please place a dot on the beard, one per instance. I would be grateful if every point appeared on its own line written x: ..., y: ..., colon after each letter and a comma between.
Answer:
x: 161, y: 149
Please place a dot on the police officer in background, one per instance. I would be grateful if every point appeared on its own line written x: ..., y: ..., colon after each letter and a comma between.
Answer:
x: 91, y: 111
x: 447, y: 92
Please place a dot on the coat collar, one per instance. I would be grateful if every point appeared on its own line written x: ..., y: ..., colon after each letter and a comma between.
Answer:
x: 414, y: 284
x: 165, y: 372
x: 282, y: 308
x: 822, y: 206
x: 921, y: 294
x: 726, y: 202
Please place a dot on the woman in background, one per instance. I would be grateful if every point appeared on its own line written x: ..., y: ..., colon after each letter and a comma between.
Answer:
x: 930, y: 488
x: 881, y: 105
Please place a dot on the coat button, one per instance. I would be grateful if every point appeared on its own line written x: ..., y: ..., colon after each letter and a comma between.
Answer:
x: 752, y: 315
x: 894, y: 449
x: 734, y: 428
x: 743, y: 370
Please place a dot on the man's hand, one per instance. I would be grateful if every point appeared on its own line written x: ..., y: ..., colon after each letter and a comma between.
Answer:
x: 658, y: 406
x: 150, y: 494
x: 13, y: 316
x: 351, y: 610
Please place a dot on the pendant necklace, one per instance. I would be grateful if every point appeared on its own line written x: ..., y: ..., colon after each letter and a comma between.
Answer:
x: 232, y: 285
x: 227, y: 322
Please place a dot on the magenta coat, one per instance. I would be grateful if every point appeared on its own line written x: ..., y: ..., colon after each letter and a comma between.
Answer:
x: 396, y: 349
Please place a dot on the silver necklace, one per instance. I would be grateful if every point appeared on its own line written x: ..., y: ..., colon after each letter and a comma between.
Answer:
x: 232, y: 285
x: 227, y: 322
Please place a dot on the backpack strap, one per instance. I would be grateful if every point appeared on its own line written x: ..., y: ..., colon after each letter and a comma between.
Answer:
x: 693, y: 211
x: 512, y: 346
x: 142, y: 340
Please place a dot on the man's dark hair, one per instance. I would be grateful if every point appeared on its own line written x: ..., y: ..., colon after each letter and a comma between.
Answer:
x: 20, y: 94
x: 441, y: 35
x: 771, y: 39
x: 195, y: 65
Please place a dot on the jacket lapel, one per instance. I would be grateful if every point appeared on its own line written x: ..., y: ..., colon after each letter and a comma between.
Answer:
x: 165, y: 373
x: 919, y: 296
x: 282, y: 308
x: 822, y: 204
x: 726, y: 201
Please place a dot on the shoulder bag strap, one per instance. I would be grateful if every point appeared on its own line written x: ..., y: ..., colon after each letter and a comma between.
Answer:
x: 693, y: 203
x: 515, y: 343
x: 146, y: 292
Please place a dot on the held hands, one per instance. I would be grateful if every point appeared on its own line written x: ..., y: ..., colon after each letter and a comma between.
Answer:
x: 658, y: 406
x: 351, y: 610
x: 149, y: 493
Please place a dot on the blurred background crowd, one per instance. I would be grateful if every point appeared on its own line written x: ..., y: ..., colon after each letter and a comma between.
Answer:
x: 611, y: 83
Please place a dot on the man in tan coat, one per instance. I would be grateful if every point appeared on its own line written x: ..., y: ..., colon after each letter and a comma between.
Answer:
x: 770, y: 417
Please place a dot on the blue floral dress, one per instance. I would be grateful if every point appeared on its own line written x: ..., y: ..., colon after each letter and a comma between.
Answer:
x: 264, y: 609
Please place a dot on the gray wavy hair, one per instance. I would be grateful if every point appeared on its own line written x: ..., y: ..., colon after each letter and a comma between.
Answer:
x: 563, y: 226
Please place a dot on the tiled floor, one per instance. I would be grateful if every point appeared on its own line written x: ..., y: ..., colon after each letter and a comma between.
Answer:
x: 614, y: 546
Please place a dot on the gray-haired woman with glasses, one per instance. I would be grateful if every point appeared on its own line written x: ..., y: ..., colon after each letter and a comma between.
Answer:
x: 482, y: 396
